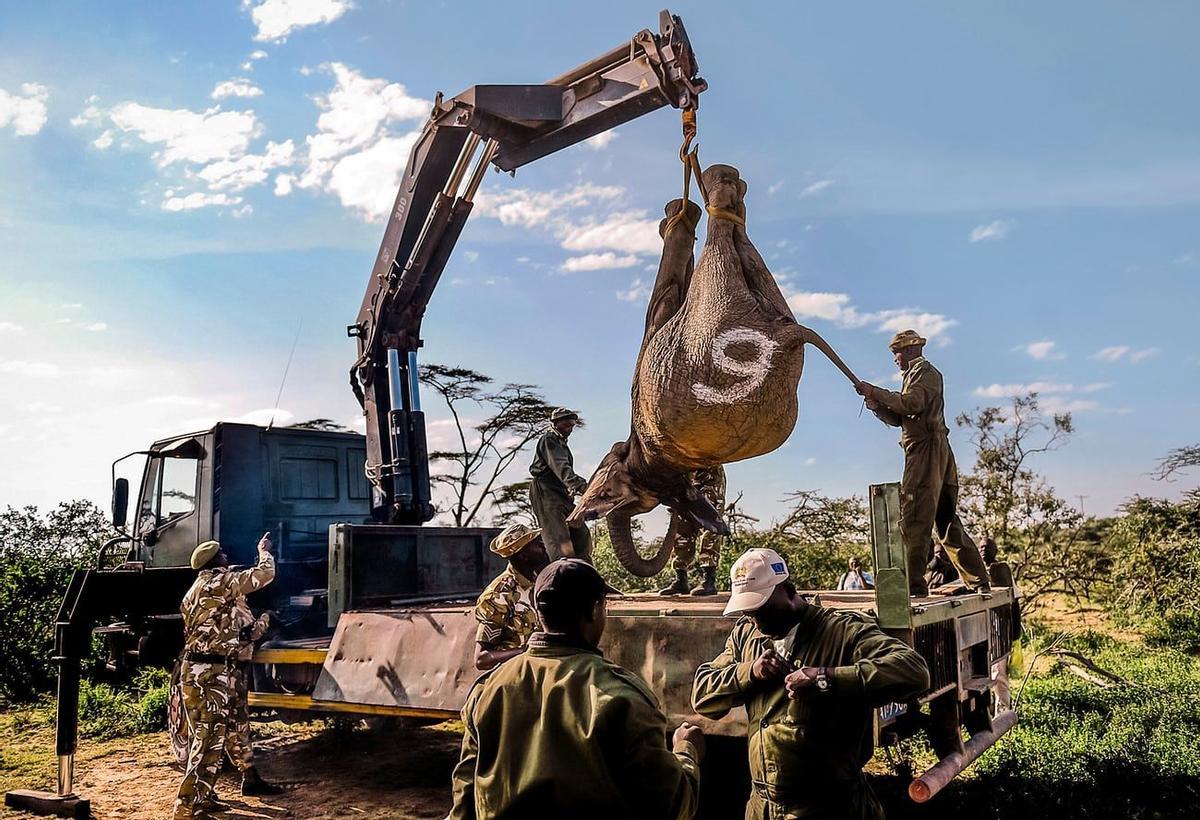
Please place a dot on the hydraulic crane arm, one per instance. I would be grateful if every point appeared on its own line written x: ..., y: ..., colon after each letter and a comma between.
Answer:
x: 506, y: 126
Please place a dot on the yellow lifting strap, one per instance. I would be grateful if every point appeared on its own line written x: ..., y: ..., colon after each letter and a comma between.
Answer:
x: 689, y: 156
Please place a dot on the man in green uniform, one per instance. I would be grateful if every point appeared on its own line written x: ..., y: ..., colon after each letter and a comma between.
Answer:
x: 219, y: 633
x: 809, y: 678
x: 929, y: 488
x: 711, y: 484
x: 554, y: 483
x: 559, y: 731
x: 505, y: 613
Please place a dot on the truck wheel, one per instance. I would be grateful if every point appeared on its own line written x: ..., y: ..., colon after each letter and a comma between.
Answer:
x: 177, y: 720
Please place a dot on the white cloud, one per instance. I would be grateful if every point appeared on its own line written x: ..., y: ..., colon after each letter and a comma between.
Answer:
x: 249, y: 170
x: 252, y: 58
x: 999, y: 391
x: 198, y: 199
x: 810, y: 461
x: 1043, y: 350
x: 601, y: 140
x: 774, y: 188
x: 638, y: 291
x: 173, y: 400
x: 1061, y: 404
x: 532, y: 209
x: 39, y: 370
x: 24, y: 111
x: 104, y: 140
x: 276, y: 19
x: 354, y: 154
x: 838, y: 308
x: 991, y: 232
x: 367, y: 180
x: 598, y: 261
x: 95, y: 326
x: 471, y: 256
x: 237, y: 87
x: 11, y: 327
x: 191, y: 136
x: 814, y: 188
x: 624, y: 231
x: 1117, y: 353
x: 283, y: 184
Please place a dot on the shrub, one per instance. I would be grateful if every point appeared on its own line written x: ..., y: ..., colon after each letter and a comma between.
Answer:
x: 107, y: 712
x: 37, y: 555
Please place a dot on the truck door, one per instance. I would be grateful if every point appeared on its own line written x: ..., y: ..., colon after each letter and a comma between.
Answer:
x: 168, y: 521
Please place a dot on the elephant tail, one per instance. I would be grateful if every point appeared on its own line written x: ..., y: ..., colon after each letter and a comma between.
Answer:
x: 812, y: 337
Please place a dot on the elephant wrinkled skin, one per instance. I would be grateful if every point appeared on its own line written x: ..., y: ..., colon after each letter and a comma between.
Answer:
x: 715, y: 380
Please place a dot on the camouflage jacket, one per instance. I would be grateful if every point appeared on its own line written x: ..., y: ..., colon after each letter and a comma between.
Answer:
x: 216, y: 618
x: 506, y: 617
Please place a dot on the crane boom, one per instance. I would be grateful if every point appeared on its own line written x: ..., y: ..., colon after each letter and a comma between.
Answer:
x: 505, y: 126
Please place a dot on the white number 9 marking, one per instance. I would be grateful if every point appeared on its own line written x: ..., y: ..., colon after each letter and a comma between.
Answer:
x: 753, y: 372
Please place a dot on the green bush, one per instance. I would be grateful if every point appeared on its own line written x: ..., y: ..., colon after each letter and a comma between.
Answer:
x: 1130, y: 750
x: 37, y: 556
x: 107, y: 712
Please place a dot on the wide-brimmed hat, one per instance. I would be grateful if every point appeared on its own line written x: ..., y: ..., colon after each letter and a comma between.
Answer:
x: 204, y: 553
x: 563, y: 413
x: 905, y: 338
x: 515, y: 536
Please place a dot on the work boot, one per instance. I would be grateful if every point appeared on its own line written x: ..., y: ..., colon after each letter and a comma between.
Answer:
x: 254, y: 786
x: 709, y: 585
x: 212, y: 805
x: 679, y: 586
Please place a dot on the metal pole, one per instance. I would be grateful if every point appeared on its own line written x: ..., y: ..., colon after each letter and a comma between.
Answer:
x: 460, y: 167
x: 395, y: 379
x: 946, y: 769
x: 414, y: 382
x: 473, y: 183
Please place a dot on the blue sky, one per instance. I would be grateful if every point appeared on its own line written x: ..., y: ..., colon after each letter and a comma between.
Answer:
x: 185, y: 184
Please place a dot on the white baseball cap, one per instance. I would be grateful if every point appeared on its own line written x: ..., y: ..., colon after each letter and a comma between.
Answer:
x: 753, y: 578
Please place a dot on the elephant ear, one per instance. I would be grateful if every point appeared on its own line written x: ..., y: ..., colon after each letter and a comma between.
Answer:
x: 694, y: 507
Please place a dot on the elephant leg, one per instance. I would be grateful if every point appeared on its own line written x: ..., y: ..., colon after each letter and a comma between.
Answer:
x: 675, y: 267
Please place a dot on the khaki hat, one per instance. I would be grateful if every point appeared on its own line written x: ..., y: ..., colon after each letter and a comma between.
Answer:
x: 753, y: 578
x: 204, y: 553
x: 563, y: 413
x: 905, y: 338
x: 515, y: 536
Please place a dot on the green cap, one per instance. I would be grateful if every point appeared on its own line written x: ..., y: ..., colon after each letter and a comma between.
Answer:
x: 204, y: 553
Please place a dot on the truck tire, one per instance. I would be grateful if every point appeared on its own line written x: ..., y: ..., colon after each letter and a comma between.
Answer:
x: 178, y: 729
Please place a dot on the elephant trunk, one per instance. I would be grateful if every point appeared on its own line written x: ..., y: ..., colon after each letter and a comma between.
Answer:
x: 621, y: 532
x: 814, y: 338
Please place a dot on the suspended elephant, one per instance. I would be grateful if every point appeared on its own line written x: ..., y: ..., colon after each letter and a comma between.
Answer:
x: 716, y: 376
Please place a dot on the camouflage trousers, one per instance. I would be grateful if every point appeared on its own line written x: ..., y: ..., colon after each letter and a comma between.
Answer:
x: 214, y: 696
x: 711, y: 483
x: 685, y: 552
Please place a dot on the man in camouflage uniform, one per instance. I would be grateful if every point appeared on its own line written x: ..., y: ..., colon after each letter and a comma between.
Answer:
x: 711, y: 484
x: 505, y: 613
x: 929, y: 488
x: 219, y: 634
x: 809, y: 678
x: 554, y: 483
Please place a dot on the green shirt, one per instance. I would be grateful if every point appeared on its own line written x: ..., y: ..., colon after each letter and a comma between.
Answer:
x: 559, y: 731
x: 919, y: 409
x: 806, y: 755
x: 554, y: 465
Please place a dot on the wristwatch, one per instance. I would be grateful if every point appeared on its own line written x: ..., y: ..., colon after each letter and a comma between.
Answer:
x: 823, y: 682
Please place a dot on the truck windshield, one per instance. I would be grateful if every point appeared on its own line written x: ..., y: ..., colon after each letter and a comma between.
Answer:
x: 171, y: 492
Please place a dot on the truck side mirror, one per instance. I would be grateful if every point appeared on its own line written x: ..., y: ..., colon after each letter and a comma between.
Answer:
x: 120, y: 502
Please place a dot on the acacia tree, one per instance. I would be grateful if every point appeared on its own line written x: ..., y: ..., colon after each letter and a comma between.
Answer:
x: 1178, y: 460
x: 513, y: 415
x: 1038, y: 532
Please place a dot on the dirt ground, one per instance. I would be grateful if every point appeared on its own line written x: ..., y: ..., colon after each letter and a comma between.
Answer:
x: 327, y: 773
